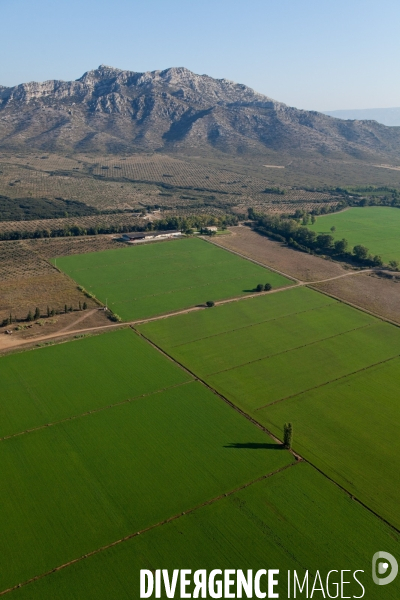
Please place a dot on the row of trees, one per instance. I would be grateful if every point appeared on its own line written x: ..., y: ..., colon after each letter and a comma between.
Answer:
x: 37, y: 314
x: 185, y: 224
x: 300, y: 237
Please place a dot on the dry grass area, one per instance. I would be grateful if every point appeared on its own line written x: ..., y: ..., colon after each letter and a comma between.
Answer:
x: 17, y: 181
x: 18, y: 261
x: 28, y: 280
x: 63, y: 325
x: 304, y: 267
x: 54, y: 290
x: 381, y: 296
x: 136, y: 181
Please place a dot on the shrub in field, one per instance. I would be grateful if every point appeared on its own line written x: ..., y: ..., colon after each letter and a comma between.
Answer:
x: 210, y: 303
x: 267, y: 287
x: 114, y: 317
x: 259, y: 287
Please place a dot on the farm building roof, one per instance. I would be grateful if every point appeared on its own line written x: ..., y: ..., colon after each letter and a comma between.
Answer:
x: 141, y: 234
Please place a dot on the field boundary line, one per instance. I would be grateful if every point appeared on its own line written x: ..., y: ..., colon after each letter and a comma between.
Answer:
x: 316, y: 387
x: 149, y: 528
x: 296, y: 455
x: 207, y: 337
x: 351, y: 274
x: 250, y: 362
x: 94, y: 411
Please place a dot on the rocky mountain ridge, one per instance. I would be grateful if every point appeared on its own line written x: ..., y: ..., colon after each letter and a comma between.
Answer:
x: 109, y: 110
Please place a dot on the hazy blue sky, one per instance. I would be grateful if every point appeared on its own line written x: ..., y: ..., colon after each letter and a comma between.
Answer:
x: 313, y: 54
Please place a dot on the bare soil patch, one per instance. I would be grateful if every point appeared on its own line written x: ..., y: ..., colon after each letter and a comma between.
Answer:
x: 304, y: 267
x: 47, y: 327
x: 53, y: 290
x: 381, y: 296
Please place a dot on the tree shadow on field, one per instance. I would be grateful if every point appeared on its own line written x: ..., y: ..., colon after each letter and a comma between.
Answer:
x: 255, y: 446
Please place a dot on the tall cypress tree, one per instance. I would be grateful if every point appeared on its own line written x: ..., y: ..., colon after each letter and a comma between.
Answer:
x: 288, y: 435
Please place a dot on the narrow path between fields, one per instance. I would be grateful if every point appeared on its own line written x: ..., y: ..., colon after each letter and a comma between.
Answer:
x: 146, y: 529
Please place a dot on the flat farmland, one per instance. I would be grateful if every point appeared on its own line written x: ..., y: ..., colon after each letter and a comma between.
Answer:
x: 146, y: 280
x: 74, y: 487
x: 80, y: 376
x: 376, y: 227
x: 295, y: 519
x: 301, y: 349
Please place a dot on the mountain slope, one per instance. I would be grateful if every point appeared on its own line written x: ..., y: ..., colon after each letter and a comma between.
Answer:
x: 109, y: 110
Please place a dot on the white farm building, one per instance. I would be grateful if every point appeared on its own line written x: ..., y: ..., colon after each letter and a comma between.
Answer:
x: 144, y: 236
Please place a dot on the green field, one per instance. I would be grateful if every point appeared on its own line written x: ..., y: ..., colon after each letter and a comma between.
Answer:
x: 280, y: 366
x: 50, y: 384
x: 146, y: 280
x: 74, y: 487
x: 376, y: 227
x: 350, y: 430
x: 295, y: 519
x: 104, y: 438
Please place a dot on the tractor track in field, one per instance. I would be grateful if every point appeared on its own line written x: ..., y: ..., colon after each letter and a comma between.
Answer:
x: 316, y: 387
x: 93, y: 411
x: 250, y: 362
x: 146, y: 529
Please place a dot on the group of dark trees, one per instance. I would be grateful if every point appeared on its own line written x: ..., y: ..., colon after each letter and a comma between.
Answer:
x: 28, y: 209
x: 266, y: 287
x: 185, y: 224
x: 297, y: 235
x: 274, y: 190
